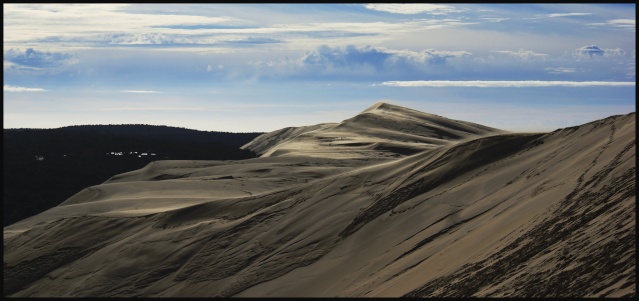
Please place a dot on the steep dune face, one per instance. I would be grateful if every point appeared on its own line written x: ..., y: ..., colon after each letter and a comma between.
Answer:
x: 382, y: 130
x: 536, y: 215
x: 266, y: 141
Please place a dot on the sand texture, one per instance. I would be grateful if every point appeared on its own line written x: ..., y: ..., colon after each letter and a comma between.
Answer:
x: 392, y: 202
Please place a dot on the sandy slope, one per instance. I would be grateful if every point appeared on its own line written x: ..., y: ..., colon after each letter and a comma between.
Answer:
x: 383, y: 130
x: 473, y: 211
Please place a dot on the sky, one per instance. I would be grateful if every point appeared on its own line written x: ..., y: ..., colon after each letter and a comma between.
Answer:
x: 262, y: 67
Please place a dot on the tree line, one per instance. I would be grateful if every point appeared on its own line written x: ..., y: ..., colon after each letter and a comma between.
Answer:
x: 44, y: 167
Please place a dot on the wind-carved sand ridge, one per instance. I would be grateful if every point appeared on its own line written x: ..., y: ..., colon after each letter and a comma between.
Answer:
x: 392, y: 202
x: 382, y: 130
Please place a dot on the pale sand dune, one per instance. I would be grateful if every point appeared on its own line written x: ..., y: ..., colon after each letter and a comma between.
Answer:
x: 383, y: 130
x: 473, y: 211
x: 171, y: 184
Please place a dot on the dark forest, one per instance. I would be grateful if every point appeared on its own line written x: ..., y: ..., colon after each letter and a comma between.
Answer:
x: 44, y: 167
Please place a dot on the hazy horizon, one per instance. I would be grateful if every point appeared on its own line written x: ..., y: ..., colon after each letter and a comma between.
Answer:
x: 262, y: 67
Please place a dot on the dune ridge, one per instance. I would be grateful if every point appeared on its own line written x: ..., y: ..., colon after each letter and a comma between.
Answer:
x: 382, y: 130
x: 468, y: 211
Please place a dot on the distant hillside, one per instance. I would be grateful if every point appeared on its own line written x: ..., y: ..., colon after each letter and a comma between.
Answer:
x: 44, y: 167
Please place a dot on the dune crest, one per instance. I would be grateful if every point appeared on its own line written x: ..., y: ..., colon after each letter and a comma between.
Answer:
x: 392, y: 202
x: 382, y: 130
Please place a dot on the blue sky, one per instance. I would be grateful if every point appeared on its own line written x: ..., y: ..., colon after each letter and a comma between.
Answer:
x: 262, y: 67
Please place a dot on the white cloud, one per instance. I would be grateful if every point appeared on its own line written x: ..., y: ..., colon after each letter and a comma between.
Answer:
x: 502, y: 84
x: 32, y: 59
x: 72, y: 21
x: 164, y: 109
x: 140, y: 91
x: 210, y: 68
x: 624, y: 22
x: 560, y: 70
x: 627, y: 24
x: 64, y: 26
x: 380, y: 58
x: 523, y: 54
x: 594, y: 51
x: 427, y: 55
x: 9, y: 88
x: 412, y: 8
x: 494, y: 19
x: 566, y: 15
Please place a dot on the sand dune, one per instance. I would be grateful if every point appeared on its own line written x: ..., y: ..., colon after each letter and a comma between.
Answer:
x: 392, y: 202
x: 383, y: 130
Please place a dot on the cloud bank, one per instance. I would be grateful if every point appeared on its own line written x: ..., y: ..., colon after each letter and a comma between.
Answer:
x: 412, y: 8
x: 31, y: 58
x: 523, y: 54
x: 140, y: 91
x: 560, y: 70
x: 503, y: 84
x: 594, y: 51
x: 377, y: 57
x: 624, y: 24
x: 566, y: 15
x: 9, y: 88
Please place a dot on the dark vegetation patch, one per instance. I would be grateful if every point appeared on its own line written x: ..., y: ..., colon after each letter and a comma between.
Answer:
x: 44, y: 167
